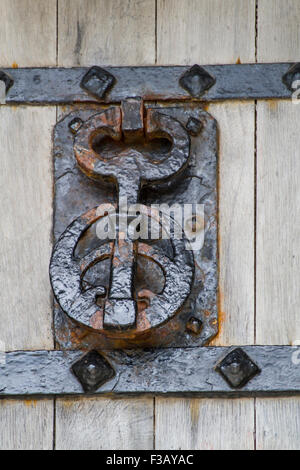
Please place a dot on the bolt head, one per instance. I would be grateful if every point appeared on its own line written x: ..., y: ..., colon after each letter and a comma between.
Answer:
x: 194, y: 126
x: 237, y: 368
x: 194, y: 326
x: 97, y: 82
x: 92, y: 371
x: 196, y: 81
x: 75, y: 124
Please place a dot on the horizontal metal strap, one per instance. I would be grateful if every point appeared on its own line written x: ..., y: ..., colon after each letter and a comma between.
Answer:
x: 67, y: 85
x: 190, y: 371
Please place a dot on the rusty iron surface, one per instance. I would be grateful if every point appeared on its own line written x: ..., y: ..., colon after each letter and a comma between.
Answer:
x: 169, y: 284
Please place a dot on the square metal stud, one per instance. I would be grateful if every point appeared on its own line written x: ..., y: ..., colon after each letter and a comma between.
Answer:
x: 92, y: 371
x: 196, y: 81
x: 194, y: 126
x: 237, y: 368
x: 97, y: 81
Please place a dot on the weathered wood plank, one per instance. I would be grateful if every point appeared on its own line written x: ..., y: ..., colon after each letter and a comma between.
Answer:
x: 26, y: 220
x: 278, y: 257
x: 204, y: 424
x: 278, y: 230
x: 236, y: 222
x: 26, y: 425
x: 105, y: 32
x: 28, y: 33
x: 28, y: 38
x: 95, y: 423
x: 278, y: 36
x: 205, y: 31
x: 278, y: 424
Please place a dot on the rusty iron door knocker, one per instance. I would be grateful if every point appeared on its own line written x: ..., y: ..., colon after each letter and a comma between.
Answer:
x: 129, y: 170
x: 134, y: 311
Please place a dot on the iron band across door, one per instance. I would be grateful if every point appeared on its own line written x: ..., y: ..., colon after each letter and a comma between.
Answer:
x: 136, y: 314
x: 182, y: 83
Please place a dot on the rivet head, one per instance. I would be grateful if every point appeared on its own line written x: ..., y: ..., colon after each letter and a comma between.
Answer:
x: 75, y: 124
x: 92, y: 371
x: 194, y: 126
x: 97, y: 81
x: 196, y: 81
x: 291, y: 76
x: 237, y: 368
x: 194, y: 326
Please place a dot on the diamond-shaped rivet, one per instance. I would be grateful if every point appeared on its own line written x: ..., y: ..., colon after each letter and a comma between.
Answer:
x: 92, y: 371
x: 97, y: 81
x: 75, y: 124
x: 194, y: 325
x: 194, y: 126
x: 291, y: 76
x: 237, y: 368
x: 196, y: 81
x: 8, y: 81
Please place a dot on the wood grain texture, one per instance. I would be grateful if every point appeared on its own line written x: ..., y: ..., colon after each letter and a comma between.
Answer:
x: 26, y: 425
x: 278, y: 258
x: 278, y: 229
x: 28, y: 38
x: 26, y: 222
x: 236, y: 222
x: 204, y: 424
x: 28, y: 33
x: 99, y: 423
x: 278, y: 36
x: 205, y: 31
x: 278, y: 423
x: 105, y: 32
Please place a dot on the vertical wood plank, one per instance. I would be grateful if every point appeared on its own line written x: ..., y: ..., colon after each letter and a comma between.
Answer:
x: 26, y: 425
x: 118, y: 33
x: 28, y: 33
x: 26, y: 215
x: 204, y: 424
x: 205, y: 31
x: 236, y: 222
x: 278, y: 30
x: 278, y: 231
x: 212, y: 31
x: 25, y: 231
x: 28, y: 38
x: 278, y: 424
x: 105, y: 32
x: 100, y: 423
x: 278, y: 257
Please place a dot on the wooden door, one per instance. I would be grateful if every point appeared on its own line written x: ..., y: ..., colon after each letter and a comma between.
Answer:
x: 259, y: 213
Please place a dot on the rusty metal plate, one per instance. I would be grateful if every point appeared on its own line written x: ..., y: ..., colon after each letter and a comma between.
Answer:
x: 187, y: 315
